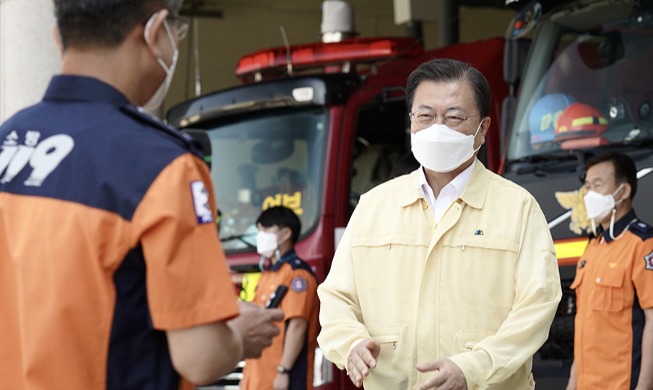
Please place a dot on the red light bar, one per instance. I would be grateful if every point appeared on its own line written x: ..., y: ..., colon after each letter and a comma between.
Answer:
x: 313, y: 55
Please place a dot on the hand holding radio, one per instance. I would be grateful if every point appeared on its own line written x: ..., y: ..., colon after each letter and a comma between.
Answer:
x: 276, y: 297
x: 257, y: 327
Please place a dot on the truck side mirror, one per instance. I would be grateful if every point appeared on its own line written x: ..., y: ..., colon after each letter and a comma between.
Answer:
x: 508, y: 107
x: 201, y: 141
x: 514, y: 57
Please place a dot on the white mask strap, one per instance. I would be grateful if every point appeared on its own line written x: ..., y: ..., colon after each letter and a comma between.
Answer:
x: 478, y: 128
x: 171, y: 38
x: 614, y: 211
x: 148, y: 26
x: 615, y: 191
x: 261, y: 263
x: 475, y: 134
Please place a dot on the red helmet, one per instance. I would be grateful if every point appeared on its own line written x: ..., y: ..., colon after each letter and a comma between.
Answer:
x: 580, y: 121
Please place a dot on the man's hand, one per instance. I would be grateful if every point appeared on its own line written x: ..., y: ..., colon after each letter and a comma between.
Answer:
x: 361, y: 360
x: 449, y: 377
x: 256, y: 327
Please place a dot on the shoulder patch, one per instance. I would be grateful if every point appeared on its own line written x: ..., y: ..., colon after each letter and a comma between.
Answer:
x: 298, y: 263
x: 641, y: 230
x: 201, y: 202
x: 299, y: 284
x: 154, y: 122
x: 648, y: 259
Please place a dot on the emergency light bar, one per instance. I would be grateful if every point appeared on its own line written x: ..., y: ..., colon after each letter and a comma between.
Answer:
x: 335, y: 57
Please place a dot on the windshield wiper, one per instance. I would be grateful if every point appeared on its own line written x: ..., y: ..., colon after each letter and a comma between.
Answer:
x: 541, y: 164
x: 239, y: 237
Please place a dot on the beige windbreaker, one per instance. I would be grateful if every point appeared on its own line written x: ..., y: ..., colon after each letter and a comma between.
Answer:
x: 481, y: 287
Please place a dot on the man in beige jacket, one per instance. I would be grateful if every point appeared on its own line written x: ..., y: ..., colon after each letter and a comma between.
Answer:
x: 446, y: 277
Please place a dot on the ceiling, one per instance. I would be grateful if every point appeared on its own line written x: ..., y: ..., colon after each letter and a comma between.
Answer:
x: 212, y: 8
x: 483, y: 3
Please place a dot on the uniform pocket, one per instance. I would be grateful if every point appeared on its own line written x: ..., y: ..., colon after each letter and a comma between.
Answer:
x: 487, y: 266
x: 466, y: 340
x: 609, y: 293
x: 386, y: 269
x: 393, y: 368
x: 392, y: 340
x: 483, y: 243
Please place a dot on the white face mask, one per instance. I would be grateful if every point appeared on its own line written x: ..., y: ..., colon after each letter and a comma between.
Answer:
x: 598, y: 206
x: 441, y: 149
x: 266, y: 244
x: 157, y: 99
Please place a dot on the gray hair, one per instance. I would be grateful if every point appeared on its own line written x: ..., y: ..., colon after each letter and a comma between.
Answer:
x: 448, y: 70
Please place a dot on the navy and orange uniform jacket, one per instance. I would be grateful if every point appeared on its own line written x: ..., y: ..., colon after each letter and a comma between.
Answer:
x: 107, y: 239
x: 299, y: 302
x: 613, y: 284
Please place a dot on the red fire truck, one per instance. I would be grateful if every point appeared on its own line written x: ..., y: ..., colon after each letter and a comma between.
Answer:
x: 312, y: 127
x: 582, y: 68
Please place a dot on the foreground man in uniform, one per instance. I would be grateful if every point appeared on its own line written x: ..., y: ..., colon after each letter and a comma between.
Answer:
x: 613, y: 338
x: 111, y: 272
x: 446, y: 277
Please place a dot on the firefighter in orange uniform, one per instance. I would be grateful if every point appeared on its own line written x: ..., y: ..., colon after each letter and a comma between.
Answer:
x: 288, y: 363
x: 613, y: 338
x: 112, y: 275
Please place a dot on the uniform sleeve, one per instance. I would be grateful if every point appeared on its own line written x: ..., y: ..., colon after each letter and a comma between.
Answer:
x: 537, y: 294
x: 188, y: 282
x: 301, y: 299
x: 643, y: 274
x: 340, y: 313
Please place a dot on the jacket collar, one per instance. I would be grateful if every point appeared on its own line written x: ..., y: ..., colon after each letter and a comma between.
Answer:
x: 287, y: 257
x: 82, y: 88
x: 474, y: 193
x: 619, y: 226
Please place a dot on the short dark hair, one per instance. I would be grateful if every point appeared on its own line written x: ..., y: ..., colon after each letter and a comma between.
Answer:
x: 448, y: 70
x: 624, y: 168
x: 104, y: 23
x: 282, y: 217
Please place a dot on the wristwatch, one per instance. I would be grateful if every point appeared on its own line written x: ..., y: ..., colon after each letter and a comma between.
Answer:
x: 282, y: 370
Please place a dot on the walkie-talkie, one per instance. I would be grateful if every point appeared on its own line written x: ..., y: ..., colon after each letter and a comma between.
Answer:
x: 276, y: 297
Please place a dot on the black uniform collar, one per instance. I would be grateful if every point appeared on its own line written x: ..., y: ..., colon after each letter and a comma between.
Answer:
x: 619, y: 226
x: 288, y: 256
x: 82, y: 88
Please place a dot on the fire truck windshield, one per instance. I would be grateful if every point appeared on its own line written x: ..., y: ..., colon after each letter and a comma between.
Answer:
x: 585, y: 86
x: 266, y: 159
